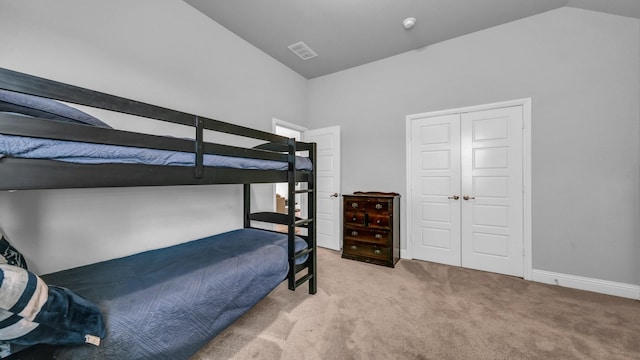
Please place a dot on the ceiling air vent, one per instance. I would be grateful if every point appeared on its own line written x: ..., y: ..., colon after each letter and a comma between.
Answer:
x: 301, y: 49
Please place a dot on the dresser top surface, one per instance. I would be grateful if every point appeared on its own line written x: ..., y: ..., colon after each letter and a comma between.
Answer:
x: 371, y: 194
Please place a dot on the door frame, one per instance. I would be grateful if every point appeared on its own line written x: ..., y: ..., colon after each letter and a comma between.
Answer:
x: 337, y: 216
x: 526, y: 175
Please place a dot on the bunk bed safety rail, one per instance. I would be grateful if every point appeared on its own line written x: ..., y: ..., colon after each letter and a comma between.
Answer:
x: 33, y: 85
x: 15, y: 125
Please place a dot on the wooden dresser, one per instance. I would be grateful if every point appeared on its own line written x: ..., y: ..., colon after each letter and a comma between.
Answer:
x: 371, y: 227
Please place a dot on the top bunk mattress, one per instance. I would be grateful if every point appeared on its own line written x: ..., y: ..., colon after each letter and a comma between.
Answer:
x: 91, y: 153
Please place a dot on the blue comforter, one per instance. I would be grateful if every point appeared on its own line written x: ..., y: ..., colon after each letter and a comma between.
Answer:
x: 88, y: 153
x: 168, y: 303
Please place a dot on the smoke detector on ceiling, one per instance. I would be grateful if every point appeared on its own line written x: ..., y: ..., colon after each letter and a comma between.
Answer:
x: 302, y: 50
x: 409, y: 22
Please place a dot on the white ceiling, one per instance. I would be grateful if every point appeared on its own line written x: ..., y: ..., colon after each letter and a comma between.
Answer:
x: 348, y: 33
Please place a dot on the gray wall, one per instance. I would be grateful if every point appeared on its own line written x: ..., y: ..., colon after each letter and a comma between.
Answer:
x: 160, y: 51
x: 581, y: 70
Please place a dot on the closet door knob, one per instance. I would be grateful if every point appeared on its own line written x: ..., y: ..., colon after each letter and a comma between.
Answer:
x: 467, y: 197
x: 454, y: 197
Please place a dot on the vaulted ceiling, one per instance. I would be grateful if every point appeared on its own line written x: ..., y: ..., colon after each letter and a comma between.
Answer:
x: 348, y: 33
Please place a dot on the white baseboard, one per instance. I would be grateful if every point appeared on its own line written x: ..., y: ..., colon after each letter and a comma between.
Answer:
x: 577, y: 282
x: 589, y: 284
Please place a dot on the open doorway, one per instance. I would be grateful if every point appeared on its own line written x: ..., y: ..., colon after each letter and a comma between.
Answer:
x: 281, y: 200
x: 327, y: 169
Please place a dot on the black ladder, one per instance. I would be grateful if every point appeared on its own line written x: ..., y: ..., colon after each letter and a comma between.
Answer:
x: 289, y: 219
x: 309, y: 223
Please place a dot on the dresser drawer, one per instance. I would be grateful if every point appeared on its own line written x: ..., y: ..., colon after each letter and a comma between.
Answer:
x: 378, y: 206
x: 355, y: 204
x: 367, y: 235
x: 354, y: 217
x: 372, y: 205
x: 374, y: 220
x: 367, y: 250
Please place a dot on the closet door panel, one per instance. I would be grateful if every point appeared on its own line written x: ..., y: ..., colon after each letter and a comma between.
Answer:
x: 435, y: 186
x: 491, y: 174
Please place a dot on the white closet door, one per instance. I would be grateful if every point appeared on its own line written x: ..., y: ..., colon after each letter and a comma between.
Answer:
x: 492, y: 203
x: 435, y: 178
x: 466, y: 188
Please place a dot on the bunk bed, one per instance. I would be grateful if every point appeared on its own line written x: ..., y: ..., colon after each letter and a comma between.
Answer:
x: 164, y: 303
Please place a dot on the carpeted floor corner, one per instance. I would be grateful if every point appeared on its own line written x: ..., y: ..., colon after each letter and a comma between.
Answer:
x: 421, y: 310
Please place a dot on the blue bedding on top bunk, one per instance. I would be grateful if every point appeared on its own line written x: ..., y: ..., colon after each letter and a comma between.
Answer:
x: 16, y: 103
x: 89, y: 153
x: 168, y: 303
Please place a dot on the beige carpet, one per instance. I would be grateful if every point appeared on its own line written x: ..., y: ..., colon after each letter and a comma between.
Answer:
x: 421, y: 310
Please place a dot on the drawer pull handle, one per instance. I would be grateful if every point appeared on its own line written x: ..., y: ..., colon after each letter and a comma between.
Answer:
x: 378, y: 206
x: 378, y: 236
x: 354, y: 205
x: 353, y: 247
x: 354, y: 233
x: 354, y: 218
x: 377, y: 221
x: 377, y: 251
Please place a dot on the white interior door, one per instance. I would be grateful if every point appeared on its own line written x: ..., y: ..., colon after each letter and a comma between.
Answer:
x: 327, y: 186
x: 492, y: 190
x: 435, y: 179
x: 467, y: 189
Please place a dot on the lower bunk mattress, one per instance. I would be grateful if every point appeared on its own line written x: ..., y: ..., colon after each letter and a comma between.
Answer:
x: 168, y: 303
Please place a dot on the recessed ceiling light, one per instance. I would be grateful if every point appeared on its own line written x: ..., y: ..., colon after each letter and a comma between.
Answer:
x: 409, y: 22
